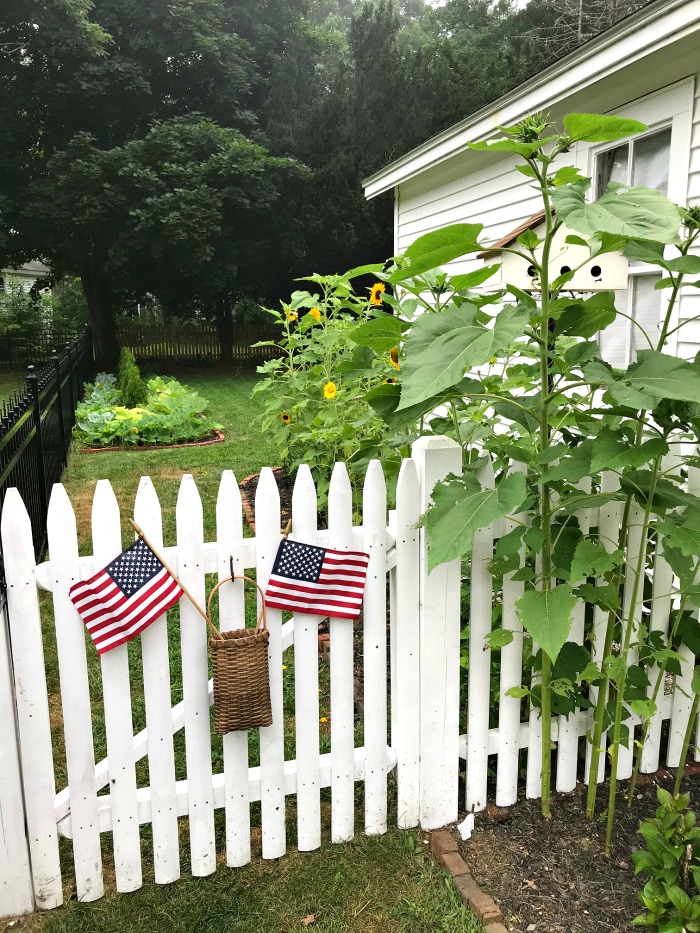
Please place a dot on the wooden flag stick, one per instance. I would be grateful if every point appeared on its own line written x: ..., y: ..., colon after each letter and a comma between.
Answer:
x: 182, y: 586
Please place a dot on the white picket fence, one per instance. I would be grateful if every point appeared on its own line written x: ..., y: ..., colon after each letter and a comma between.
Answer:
x: 424, y: 747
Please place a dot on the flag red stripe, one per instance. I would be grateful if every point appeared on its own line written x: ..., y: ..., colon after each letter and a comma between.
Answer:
x: 128, y: 605
x: 306, y: 604
x: 107, y: 643
x: 136, y: 607
x: 311, y: 610
x: 344, y: 560
x: 306, y: 586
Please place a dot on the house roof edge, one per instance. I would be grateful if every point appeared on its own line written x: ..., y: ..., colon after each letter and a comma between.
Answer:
x: 485, y: 121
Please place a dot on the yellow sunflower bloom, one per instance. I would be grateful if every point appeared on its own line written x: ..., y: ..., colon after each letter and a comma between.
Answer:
x: 374, y: 294
x: 285, y: 417
x: 292, y: 315
x: 390, y: 381
x: 315, y: 314
x: 330, y: 390
x: 394, y: 358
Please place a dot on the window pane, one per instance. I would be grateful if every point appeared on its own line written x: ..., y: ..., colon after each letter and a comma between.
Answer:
x: 651, y: 160
x: 646, y: 309
x: 622, y: 337
x: 611, y: 166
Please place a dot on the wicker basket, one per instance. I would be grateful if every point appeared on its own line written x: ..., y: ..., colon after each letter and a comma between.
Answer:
x: 241, y: 672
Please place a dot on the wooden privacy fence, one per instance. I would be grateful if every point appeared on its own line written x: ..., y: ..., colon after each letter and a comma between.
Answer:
x: 423, y: 745
x: 180, y: 343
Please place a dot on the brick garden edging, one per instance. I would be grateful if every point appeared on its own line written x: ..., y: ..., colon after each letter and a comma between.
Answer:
x: 444, y: 848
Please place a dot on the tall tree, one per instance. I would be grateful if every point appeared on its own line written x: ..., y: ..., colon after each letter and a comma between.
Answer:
x: 80, y: 85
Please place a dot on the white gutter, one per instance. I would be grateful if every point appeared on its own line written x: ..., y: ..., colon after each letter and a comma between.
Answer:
x: 633, y: 38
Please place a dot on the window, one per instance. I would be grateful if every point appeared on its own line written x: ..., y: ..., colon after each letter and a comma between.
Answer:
x: 642, y: 161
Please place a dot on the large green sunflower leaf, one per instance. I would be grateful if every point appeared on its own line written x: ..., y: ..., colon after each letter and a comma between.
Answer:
x: 629, y: 211
x: 437, y: 248
x: 546, y: 615
x: 441, y: 347
x: 462, y: 507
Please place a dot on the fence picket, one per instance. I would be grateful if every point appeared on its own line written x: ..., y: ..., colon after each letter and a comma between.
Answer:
x: 116, y: 696
x: 625, y: 760
x: 568, y: 741
x: 342, y: 672
x: 374, y: 649
x: 405, y: 636
x: 272, y: 780
x: 35, y: 743
x: 229, y: 535
x: 509, y: 708
x: 479, y: 699
x: 157, y: 697
x: 16, y: 893
x: 662, y: 587
x: 609, y: 521
x: 75, y: 698
x: 435, y: 458
x: 683, y: 693
x: 306, y: 679
x: 195, y: 681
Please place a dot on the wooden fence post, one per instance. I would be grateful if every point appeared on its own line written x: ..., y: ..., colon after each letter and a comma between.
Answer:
x: 435, y: 458
x: 16, y: 895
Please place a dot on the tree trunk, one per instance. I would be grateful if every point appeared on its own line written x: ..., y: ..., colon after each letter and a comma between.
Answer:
x: 224, y: 327
x: 101, y: 314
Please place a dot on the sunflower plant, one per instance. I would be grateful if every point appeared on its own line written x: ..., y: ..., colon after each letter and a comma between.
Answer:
x: 313, y: 393
x: 516, y: 377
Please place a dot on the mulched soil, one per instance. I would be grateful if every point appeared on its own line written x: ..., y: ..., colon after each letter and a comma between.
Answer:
x: 285, y: 484
x: 551, y: 876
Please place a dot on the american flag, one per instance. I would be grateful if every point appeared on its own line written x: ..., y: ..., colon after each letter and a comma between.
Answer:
x: 317, y: 580
x: 119, y: 602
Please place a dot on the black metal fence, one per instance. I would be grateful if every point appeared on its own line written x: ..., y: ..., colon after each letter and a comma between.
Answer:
x: 35, y: 430
x: 17, y: 349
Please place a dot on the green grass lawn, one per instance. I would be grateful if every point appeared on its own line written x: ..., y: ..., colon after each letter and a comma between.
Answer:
x: 386, y: 883
x: 380, y: 883
x: 10, y: 381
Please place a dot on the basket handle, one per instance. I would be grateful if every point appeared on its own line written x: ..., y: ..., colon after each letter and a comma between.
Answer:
x: 262, y: 618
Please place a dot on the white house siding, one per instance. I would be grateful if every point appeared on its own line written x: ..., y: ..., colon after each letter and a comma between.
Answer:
x: 495, y: 194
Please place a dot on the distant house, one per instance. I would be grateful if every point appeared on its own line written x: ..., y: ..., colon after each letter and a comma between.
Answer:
x: 647, y: 67
x: 25, y: 275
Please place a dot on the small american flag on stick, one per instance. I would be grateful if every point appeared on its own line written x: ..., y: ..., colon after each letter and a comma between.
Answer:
x: 317, y: 580
x: 119, y: 602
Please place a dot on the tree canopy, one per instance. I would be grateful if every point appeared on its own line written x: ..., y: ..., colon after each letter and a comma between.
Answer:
x: 197, y: 151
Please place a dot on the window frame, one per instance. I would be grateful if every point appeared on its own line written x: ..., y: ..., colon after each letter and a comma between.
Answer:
x: 669, y: 107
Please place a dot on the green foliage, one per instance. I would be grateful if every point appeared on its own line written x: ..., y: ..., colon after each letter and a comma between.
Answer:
x: 671, y: 860
x: 313, y: 396
x: 171, y: 414
x: 131, y: 385
x: 517, y: 376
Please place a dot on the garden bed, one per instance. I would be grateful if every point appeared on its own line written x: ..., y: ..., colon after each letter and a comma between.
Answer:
x: 551, y: 876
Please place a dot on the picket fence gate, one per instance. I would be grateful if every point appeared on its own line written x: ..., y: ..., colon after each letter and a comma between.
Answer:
x: 424, y: 746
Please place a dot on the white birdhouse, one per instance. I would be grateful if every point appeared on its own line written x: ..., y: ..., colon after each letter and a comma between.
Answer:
x: 604, y: 273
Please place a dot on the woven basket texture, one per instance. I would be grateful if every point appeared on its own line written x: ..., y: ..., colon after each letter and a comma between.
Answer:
x: 241, y: 680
